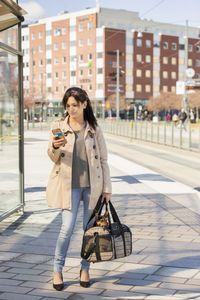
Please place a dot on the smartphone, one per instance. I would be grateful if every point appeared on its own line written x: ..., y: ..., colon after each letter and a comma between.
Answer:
x: 58, y: 133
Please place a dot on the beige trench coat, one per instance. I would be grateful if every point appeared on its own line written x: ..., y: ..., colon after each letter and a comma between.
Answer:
x: 59, y: 184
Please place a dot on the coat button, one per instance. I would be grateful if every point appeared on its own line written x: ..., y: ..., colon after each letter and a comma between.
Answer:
x: 96, y: 156
x: 57, y: 172
x: 62, y: 154
x: 94, y: 146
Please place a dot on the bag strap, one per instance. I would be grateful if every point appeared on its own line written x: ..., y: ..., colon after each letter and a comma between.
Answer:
x: 96, y: 210
x: 114, y: 213
x: 94, y: 248
x: 116, y: 219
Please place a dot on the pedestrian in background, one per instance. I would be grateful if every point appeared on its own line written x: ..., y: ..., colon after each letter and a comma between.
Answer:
x: 168, y: 117
x: 80, y: 172
x: 175, y: 118
x: 182, y: 117
x: 192, y: 116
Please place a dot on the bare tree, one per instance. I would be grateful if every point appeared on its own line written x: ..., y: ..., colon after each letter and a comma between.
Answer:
x: 194, y: 101
x: 165, y: 101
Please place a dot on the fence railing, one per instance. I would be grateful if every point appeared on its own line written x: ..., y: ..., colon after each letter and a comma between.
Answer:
x: 165, y: 133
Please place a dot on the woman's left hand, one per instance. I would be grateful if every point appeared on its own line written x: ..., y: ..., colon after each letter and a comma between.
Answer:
x: 106, y: 196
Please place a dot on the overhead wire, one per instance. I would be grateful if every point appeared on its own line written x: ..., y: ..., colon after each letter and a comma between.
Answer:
x: 160, y: 2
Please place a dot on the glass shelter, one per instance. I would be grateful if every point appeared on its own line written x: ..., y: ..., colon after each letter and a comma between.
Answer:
x: 11, y: 109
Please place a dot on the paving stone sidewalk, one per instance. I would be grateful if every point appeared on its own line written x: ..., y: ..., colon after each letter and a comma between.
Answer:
x: 164, y: 265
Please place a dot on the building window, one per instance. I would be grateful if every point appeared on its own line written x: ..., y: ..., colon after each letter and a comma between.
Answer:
x: 139, y: 43
x: 64, y: 60
x: 148, y: 43
x: 190, y: 62
x: 64, y: 74
x: 80, y: 43
x: 89, y: 72
x: 173, y: 61
x: 165, y: 74
x: 138, y: 87
x: 99, y: 71
x: 89, y: 41
x: 148, y: 73
x: 100, y: 86
x: 48, y: 75
x: 48, y: 33
x: 139, y: 73
x: 165, y: 45
x: 33, y: 50
x: 89, y: 25
x: 165, y: 88
x: 72, y: 28
x: 64, y: 45
x: 33, y: 36
x: 48, y: 61
x: 56, y: 75
x: 73, y: 73
x: 80, y: 72
x: 89, y: 56
x: 197, y: 75
x: 48, y: 47
x: 190, y: 48
x: 40, y: 35
x: 64, y: 30
x: 197, y: 63
x: 174, y: 46
x: 165, y: 60
x: 198, y: 49
x: 81, y: 57
x: 40, y: 48
x: 138, y: 57
x: 173, y: 89
x: 41, y: 76
x: 89, y: 87
x: 80, y: 27
x: 57, y: 32
x: 173, y: 75
x: 56, y: 61
x: 72, y: 43
x: 99, y: 54
x: 147, y: 88
x: 56, y: 46
x: 56, y: 89
x: 148, y: 58
x: 41, y: 62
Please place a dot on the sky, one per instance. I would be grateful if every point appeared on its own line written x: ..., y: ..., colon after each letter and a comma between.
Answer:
x: 168, y: 11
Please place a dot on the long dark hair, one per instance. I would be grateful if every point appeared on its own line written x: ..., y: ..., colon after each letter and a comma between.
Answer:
x: 81, y: 96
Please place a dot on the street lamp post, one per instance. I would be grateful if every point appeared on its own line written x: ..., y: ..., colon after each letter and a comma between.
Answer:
x: 117, y: 86
x: 184, y: 99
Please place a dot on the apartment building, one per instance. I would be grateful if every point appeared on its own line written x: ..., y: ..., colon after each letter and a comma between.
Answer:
x: 79, y: 49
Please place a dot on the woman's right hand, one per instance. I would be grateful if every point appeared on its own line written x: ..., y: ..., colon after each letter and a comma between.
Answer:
x: 58, y: 141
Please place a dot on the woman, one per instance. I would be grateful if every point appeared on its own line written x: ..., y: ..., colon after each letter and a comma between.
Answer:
x: 80, y: 172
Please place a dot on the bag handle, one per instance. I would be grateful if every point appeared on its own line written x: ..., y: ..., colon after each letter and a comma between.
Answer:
x: 96, y: 210
x: 114, y: 213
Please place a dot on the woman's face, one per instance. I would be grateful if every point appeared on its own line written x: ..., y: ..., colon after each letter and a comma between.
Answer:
x: 75, y: 108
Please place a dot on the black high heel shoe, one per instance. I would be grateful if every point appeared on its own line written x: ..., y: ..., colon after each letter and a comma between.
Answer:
x: 84, y: 284
x: 59, y: 286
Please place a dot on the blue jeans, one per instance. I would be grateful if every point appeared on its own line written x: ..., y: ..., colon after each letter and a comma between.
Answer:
x: 67, y: 227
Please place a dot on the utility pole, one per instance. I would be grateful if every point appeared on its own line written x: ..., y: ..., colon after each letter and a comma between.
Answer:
x: 117, y: 86
x: 184, y: 99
